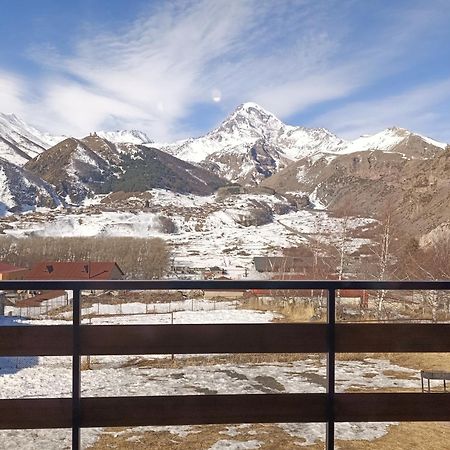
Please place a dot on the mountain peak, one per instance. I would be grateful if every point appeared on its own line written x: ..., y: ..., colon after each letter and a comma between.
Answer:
x: 253, y: 111
x: 246, y: 106
x: 398, y: 131
x: 249, y: 121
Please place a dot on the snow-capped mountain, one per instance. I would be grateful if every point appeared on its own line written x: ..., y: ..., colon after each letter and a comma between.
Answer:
x: 125, y: 136
x: 252, y: 144
x: 20, y: 142
x: 249, y: 147
x: 398, y: 140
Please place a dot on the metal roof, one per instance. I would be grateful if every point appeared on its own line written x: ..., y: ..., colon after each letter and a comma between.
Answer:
x: 5, y: 268
x: 73, y: 270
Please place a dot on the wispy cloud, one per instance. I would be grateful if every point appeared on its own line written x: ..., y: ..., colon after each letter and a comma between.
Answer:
x: 151, y: 74
x: 11, y: 93
x: 423, y: 108
x: 288, y: 56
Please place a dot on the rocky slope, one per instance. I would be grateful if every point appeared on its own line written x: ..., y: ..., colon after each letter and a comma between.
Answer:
x: 80, y: 168
x: 368, y: 183
x: 21, y: 190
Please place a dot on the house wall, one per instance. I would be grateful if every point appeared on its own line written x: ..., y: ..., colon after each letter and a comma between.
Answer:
x: 14, y: 275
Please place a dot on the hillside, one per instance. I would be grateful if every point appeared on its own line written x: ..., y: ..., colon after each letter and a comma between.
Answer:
x: 21, y: 191
x: 20, y: 142
x: 369, y: 182
x: 81, y: 168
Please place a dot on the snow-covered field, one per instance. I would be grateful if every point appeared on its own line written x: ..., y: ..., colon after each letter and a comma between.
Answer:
x: 209, y: 230
x: 121, y: 376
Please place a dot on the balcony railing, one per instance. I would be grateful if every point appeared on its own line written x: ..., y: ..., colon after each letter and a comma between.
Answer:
x: 76, y: 340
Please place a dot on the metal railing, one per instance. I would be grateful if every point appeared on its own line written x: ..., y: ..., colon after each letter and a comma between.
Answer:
x: 76, y: 340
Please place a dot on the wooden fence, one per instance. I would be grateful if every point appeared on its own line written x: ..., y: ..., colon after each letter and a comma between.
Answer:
x: 330, y: 338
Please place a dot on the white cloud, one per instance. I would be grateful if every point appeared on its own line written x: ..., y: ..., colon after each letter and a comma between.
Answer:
x: 151, y: 74
x: 287, y: 56
x: 185, y: 53
x: 11, y: 93
x: 423, y: 109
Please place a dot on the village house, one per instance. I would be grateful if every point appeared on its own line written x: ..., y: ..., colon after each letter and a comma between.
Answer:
x: 75, y: 270
x: 38, y: 303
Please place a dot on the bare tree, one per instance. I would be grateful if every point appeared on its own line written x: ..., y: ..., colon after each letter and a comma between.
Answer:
x: 138, y: 257
x: 432, y: 262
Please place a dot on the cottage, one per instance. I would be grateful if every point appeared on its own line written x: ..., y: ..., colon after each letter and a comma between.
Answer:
x: 38, y: 303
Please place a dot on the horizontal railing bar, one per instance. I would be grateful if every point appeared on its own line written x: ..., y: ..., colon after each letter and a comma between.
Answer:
x: 203, y: 338
x: 223, y: 338
x: 30, y: 413
x: 223, y: 409
x: 387, y: 407
x: 392, y: 338
x: 164, y: 410
x: 221, y: 285
x: 203, y: 409
x: 36, y: 340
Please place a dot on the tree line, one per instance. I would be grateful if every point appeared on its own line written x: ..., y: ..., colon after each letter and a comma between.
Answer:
x: 139, y: 258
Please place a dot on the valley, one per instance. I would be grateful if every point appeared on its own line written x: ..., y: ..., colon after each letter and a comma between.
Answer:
x: 253, y: 186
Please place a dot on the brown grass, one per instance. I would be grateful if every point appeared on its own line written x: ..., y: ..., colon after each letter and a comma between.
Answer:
x: 292, y: 311
x: 212, y: 360
x: 201, y: 438
x: 399, y: 375
x: 417, y: 361
x: 407, y: 436
x: 404, y: 436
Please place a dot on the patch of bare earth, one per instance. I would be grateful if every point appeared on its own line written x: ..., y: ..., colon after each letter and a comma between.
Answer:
x: 417, y: 361
x: 270, y: 437
x: 407, y: 436
x: 404, y: 436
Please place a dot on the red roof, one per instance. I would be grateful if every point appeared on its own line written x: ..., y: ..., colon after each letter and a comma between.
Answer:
x: 5, y: 267
x: 73, y: 270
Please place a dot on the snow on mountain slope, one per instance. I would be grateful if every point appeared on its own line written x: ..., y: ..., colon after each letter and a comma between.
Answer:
x: 80, y: 168
x: 252, y: 144
x: 125, y: 136
x: 73, y: 168
x: 394, y: 140
x: 21, y: 191
x: 248, y: 124
x: 20, y: 142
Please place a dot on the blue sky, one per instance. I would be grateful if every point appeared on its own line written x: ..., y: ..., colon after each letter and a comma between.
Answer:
x: 176, y: 68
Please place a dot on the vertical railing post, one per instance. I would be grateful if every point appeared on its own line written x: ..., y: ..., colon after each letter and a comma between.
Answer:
x: 76, y: 370
x: 331, y: 362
